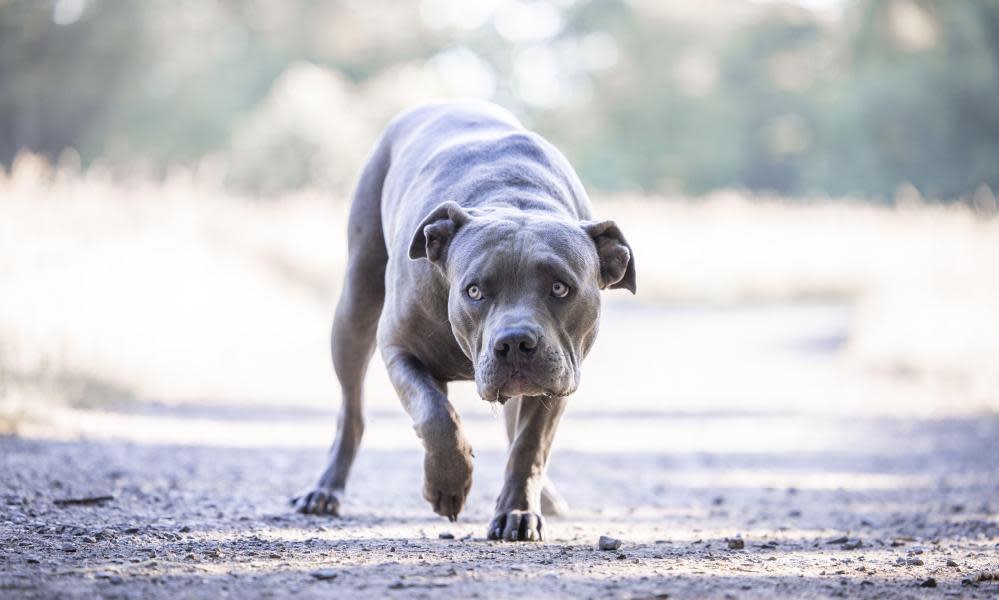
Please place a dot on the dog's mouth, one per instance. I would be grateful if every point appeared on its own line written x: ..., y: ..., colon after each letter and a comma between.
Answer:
x: 520, y: 384
x: 548, y: 374
x: 514, y: 384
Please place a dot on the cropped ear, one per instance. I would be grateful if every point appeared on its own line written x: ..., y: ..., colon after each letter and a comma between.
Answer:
x: 435, y: 232
x: 617, y: 261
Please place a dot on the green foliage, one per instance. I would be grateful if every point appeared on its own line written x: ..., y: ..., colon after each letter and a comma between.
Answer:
x: 928, y: 117
x: 882, y: 93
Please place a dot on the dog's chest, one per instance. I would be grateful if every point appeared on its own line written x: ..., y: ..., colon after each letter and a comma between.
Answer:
x: 416, y: 320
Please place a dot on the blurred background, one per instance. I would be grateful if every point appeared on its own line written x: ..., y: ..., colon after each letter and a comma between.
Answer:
x: 809, y: 187
x: 826, y: 97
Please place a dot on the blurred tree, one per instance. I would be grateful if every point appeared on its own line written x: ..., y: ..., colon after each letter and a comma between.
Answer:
x: 60, y: 81
x: 918, y: 104
x: 643, y: 94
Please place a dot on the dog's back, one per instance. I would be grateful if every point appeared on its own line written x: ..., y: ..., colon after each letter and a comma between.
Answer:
x: 473, y: 153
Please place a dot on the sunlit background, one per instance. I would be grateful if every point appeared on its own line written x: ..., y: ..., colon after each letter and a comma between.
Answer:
x: 802, y: 400
x: 809, y: 188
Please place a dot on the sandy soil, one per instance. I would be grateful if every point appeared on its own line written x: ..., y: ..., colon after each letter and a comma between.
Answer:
x: 721, y: 495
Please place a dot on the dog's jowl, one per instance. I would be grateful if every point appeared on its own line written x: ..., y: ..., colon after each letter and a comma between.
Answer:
x: 472, y: 255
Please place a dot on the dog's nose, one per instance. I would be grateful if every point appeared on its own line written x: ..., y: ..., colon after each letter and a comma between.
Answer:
x: 520, y: 342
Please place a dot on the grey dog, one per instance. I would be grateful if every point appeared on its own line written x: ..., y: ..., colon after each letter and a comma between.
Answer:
x: 472, y: 254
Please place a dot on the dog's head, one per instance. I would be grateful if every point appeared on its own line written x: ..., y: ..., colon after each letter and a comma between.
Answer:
x: 524, y: 300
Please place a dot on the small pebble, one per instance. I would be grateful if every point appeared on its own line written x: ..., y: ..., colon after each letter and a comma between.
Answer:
x: 110, y: 577
x: 736, y: 544
x: 929, y: 583
x: 951, y: 562
x: 608, y: 543
x: 447, y: 535
x: 324, y: 574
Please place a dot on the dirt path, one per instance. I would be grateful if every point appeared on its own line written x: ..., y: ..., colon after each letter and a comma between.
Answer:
x: 826, y: 501
x: 207, y: 521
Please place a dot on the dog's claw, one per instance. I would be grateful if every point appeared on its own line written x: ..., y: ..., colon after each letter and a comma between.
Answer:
x: 318, y: 501
x: 517, y: 526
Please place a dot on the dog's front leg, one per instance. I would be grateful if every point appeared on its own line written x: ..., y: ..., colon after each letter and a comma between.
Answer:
x: 518, y: 508
x: 447, y: 465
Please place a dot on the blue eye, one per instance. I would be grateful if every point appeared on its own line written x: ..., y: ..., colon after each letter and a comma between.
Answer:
x: 474, y: 292
x: 560, y: 290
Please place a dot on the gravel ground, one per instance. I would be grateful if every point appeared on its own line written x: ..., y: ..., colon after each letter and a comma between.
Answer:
x: 212, y: 521
x: 709, y: 500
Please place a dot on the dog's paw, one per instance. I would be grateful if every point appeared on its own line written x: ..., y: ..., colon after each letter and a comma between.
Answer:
x: 318, y: 501
x: 517, y: 526
x: 448, y: 479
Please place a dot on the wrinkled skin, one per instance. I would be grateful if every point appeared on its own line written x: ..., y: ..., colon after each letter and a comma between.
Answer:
x: 527, y: 257
x: 472, y: 254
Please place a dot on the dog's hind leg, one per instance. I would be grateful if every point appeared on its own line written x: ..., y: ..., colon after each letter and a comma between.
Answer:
x: 354, y: 328
x: 552, y: 503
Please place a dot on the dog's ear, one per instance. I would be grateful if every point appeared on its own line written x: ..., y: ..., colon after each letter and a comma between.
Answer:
x: 617, y: 261
x: 435, y: 232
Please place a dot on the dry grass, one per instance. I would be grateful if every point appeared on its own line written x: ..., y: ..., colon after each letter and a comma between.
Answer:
x: 923, y: 278
x: 179, y: 291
